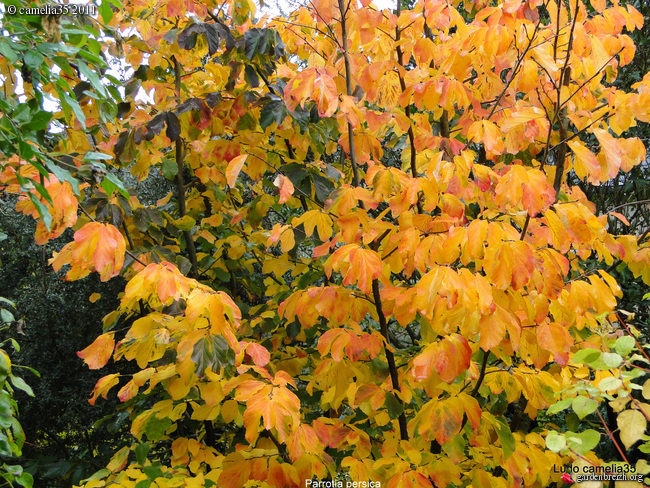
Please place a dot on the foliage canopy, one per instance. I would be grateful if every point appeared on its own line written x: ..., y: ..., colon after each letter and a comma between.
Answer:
x: 372, y: 260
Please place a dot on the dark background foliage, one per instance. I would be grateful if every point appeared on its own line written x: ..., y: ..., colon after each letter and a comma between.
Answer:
x: 56, y: 320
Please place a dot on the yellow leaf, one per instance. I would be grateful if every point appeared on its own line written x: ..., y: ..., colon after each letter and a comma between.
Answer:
x: 315, y: 219
x: 119, y: 460
x: 585, y: 163
x: 184, y: 223
x: 521, y: 116
x: 646, y: 390
x: 632, y: 425
x: 94, y: 297
x: 230, y: 411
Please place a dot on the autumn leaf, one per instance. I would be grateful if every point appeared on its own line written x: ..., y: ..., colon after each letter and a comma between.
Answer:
x: 555, y: 339
x: 276, y: 406
x: 285, y: 186
x: 315, y: 219
x: 525, y: 187
x: 103, y: 386
x: 449, y: 357
x: 585, y: 163
x: 96, y: 247
x: 356, y: 265
x: 99, y: 352
x: 234, y: 168
x: 632, y: 425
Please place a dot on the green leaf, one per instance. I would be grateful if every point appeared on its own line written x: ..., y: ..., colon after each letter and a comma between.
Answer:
x: 611, y: 360
x: 38, y: 121
x: 114, y: 180
x: 624, y: 345
x: 93, y: 156
x: 92, y: 78
x: 105, y: 11
x: 33, y: 59
x: 7, y: 51
x: 587, y: 356
x: 555, y: 442
x: 609, y: 383
x: 21, y: 385
x: 5, y: 448
x: 273, y: 111
x: 584, y: 406
x: 251, y: 41
x: 559, y: 406
x: 43, y: 211
x: 25, y: 479
x: 583, y: 442
x: 141, y: 452
x: 505, y: 437
x: 71, y: 103
x: 102, y: 473
x: 156, y: 428
x: 169, y: 168
x: 6, y: 315
x: 393, y: 405
x: 153, y: 472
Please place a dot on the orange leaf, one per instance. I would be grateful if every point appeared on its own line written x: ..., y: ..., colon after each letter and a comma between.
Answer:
x: 285, y: 186
x: 610, y: 155
x: 303, y: 440
x: 325, y: 94
x: 103, y: 386
x: 585, y: 163
x: 234, y: 167
x: 442, y: 418
x: 555, y: 339
x: 99, y: 352
x: 449, y: 357
x: 356, y: 265
x: 96, y: 247
x: 526, y: 188
x: 258, y: 353
x: 119, y: 460
x: 336, y: 341
x: 489, y: 134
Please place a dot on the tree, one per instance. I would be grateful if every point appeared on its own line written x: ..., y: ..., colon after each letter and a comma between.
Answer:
x: 371, y: 260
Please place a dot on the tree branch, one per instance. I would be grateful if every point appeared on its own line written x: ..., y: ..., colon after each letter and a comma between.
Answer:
x: 390, y: 358
x: 180, y: 186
